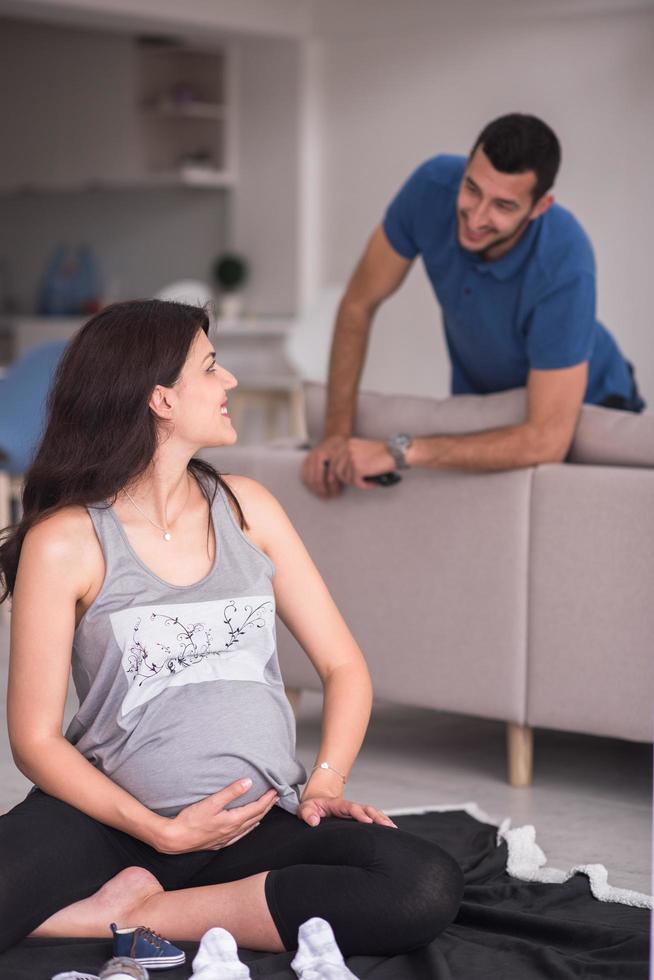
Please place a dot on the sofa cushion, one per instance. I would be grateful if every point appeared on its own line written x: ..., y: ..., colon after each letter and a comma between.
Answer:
x: 429, y: 576
x: 604, y: 436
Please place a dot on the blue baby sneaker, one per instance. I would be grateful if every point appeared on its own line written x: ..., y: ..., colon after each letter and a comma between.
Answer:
x: 146, y: 947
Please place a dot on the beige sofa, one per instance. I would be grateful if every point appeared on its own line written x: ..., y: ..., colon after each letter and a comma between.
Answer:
x: 524, y: 596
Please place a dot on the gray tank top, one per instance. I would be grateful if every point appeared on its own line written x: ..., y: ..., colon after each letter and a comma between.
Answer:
x: 179, y: 687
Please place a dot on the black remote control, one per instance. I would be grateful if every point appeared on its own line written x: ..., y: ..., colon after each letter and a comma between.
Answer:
x: 384, y: 479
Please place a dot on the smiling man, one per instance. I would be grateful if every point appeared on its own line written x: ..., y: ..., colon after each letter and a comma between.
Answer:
x: 514, y: 274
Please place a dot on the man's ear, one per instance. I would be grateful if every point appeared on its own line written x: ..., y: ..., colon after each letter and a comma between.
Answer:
x: 542, y: 205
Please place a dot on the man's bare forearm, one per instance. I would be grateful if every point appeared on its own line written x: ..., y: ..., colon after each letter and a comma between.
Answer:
x: 497, y: 449
x: 347, y: 357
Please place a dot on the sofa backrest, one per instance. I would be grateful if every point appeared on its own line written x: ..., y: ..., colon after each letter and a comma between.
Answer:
x: 604, y: 436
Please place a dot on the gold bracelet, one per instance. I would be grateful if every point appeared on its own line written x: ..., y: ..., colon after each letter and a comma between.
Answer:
x: 326, y: 765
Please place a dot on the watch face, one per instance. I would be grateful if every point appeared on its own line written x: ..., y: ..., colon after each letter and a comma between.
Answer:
x: 401, y: 441
x: 398, y: 445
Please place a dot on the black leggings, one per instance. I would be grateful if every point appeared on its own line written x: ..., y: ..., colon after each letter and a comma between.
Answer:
x: 382, y: 890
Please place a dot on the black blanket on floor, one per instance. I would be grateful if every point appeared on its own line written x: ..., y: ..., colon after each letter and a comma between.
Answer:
x: 506, y: 929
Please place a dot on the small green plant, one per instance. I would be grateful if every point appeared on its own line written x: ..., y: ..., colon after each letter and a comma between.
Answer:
x: 230, y: 271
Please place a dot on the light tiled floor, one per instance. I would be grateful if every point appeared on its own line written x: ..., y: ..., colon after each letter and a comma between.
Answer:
x: 590, y: 800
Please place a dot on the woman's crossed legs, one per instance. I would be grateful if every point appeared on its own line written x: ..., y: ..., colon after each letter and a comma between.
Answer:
x: 382, y: 890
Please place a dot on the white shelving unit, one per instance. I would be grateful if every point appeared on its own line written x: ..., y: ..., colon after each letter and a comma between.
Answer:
x: 196, y: 110
x: 165, y: 117
x: 187, y: 114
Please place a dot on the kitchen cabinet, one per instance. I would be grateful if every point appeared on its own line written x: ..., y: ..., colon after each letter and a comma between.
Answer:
x: 87, y: 109
x: 187, y: 114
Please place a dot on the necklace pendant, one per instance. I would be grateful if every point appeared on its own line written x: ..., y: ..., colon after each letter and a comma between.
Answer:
x: 167, y: 536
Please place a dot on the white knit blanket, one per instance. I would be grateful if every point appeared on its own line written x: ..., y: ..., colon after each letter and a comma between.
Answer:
x: 527, y: 862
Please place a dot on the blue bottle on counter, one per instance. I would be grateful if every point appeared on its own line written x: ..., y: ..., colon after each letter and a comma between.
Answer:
x: 54, y: 298
x: 88, y: 286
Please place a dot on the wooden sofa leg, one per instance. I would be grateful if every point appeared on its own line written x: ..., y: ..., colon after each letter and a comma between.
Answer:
x: 294, y: 695
x: 520, y: 751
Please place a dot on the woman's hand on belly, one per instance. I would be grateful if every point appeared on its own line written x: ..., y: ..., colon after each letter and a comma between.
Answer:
x: 208, y: 826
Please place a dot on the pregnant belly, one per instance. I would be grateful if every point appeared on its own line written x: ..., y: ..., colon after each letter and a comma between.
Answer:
x: 169, y: 784
x: 199, y: 739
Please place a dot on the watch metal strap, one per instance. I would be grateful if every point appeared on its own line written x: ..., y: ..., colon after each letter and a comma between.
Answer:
x: 397, y: 447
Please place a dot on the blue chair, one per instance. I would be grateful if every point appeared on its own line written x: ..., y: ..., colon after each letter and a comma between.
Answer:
x: 23, y: 393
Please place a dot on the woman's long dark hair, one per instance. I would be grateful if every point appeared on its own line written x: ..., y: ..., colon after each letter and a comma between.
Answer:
x: 100, y: 432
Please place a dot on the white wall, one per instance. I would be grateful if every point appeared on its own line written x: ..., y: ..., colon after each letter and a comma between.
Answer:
x: 265, y: 201
x: 400, y: 82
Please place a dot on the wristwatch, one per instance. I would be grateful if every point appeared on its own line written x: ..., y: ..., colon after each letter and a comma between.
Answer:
x: 397, y: 446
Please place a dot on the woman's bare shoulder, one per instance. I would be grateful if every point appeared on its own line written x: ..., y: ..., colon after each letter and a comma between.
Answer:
x: 63, y: 528
x: 66, y: 536
x: 251, y: 495
x: 261, y: 508
x: 60, y: 560
x: 244, y: 486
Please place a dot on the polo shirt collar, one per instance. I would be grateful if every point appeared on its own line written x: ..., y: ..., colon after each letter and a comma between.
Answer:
x: 510, y: 264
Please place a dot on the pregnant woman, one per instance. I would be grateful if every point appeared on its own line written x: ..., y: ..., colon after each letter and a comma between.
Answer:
x: 173, y: 799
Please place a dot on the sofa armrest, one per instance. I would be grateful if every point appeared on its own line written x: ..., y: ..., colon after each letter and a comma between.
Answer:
x: 591, y: 614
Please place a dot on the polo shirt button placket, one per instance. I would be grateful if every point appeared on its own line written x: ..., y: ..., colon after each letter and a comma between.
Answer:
x: 467, y: 290
x: 466, y: 299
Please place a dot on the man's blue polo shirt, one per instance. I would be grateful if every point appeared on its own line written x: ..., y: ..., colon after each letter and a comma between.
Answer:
x: 532, y: 308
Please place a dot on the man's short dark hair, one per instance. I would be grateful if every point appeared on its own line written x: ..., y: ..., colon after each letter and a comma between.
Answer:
x: 516, y: 143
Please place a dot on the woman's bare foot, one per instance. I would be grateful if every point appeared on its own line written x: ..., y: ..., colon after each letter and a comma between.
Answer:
x: 116, y: 901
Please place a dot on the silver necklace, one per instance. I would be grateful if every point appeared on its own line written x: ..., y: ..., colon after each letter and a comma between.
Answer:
x: 167, y: 536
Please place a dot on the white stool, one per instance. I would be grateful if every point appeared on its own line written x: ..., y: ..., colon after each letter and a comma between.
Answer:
x: 278, y: 403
